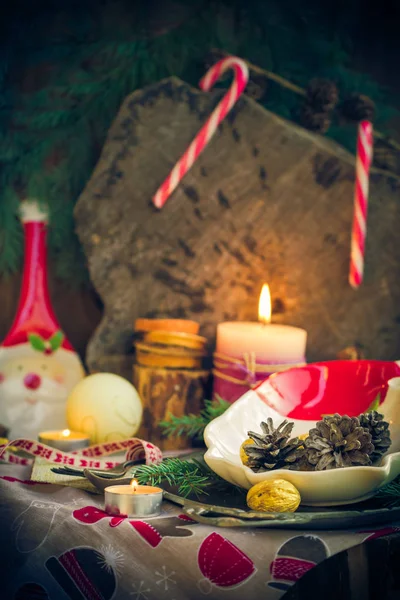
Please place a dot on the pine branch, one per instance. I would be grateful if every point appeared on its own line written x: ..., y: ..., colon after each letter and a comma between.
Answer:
x: 193, y: 425
x: 190, y: 425
x: 190, y: 477
x: 215, y: 408
x: 390, y: 493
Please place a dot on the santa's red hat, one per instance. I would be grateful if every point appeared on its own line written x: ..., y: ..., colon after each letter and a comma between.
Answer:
x: 35, y: 321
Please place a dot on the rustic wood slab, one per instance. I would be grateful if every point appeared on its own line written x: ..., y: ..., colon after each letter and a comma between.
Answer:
x: 266, y: 202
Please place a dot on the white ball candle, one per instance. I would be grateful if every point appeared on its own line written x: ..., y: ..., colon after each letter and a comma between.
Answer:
x: 106, y: 407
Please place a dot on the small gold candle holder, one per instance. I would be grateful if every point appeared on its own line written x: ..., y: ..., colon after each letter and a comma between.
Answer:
x: 133, y: 500
x: 66, y: 440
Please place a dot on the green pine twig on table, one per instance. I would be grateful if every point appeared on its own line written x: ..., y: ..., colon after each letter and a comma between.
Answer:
x: 190, y: 476
x: 193, y: 425
x: 190, y: 425
x: 390, y: 493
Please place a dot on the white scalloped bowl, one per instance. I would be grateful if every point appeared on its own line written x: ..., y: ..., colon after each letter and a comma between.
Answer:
x: 225, y: 434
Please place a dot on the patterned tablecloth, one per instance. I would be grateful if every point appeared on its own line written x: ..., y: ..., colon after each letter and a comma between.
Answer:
x: 58, y: 543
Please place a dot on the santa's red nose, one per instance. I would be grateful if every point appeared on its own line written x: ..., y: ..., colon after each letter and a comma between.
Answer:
x: 32, y: 381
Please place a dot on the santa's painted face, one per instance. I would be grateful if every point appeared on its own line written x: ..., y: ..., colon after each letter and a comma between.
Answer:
x: 32, y: 379
x: 34, y: 387
x: 32, y: 395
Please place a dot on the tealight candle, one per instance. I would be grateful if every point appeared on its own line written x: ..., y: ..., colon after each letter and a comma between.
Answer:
x: 66, y: 440
x: 248, y: 352
x: 133, y: 500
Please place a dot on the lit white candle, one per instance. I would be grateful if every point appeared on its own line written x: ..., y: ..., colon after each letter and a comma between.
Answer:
x: 270, y: 342
x: 280, y: 346
x: 65, y: 440
x: 133, y: 500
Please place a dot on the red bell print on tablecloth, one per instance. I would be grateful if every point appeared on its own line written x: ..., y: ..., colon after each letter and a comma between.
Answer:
x: 222, y: 563
x: 38, y: 366
x: 294, y: 558
x: 87, y: 573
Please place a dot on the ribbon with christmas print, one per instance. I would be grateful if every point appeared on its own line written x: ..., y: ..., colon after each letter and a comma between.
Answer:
x: 93, y: 457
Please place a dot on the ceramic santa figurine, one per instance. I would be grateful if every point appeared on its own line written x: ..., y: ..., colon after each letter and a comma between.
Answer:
x: 38, y: 365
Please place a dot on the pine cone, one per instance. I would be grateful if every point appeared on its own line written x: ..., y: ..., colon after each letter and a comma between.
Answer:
x: 322, y: 95
x: 358, y: 107
x: 379, y: 430
x: 338, y: 441
x: 274, y: 449
x: 315, y: 121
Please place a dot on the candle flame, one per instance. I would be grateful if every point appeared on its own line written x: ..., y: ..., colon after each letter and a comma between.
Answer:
x: 264, y: 305
x: 66, y: 433
x: 134, y: 484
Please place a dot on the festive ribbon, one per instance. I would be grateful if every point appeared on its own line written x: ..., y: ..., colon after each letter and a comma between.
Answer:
x: 245, y: 371
x: 241, y: 76
x: 92, y: 457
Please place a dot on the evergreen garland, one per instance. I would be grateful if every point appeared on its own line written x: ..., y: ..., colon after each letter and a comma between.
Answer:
x: 51, y: 135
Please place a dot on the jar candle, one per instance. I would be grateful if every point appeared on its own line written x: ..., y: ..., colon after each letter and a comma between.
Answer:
x: 270, y: 343
x: 66, y: 440
x: 133, y: 500
x: 248, y: 352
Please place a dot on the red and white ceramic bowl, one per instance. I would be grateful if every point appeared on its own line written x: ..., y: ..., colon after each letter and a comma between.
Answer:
x: 303, y: 395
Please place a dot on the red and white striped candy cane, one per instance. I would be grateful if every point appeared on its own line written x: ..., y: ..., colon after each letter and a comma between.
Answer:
x: 241, y: 76
x: 359, y: 231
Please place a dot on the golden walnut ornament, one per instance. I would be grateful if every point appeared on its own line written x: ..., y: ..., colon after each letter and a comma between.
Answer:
x: 243, y: 456
x: 274, y: 495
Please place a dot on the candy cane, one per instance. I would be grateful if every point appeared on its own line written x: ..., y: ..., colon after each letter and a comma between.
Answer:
x: 241, y: 76
x: 359, y: 231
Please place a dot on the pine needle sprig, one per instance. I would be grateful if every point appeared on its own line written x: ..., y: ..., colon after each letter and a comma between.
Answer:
x: 193, y: 425
x: 189, y: 476
x: 215, y: 408
x: 190, y: 425
x: 390, y: 493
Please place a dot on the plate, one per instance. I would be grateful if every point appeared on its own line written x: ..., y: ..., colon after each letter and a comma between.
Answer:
x: 232, y: 512
x: 303, y: 395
